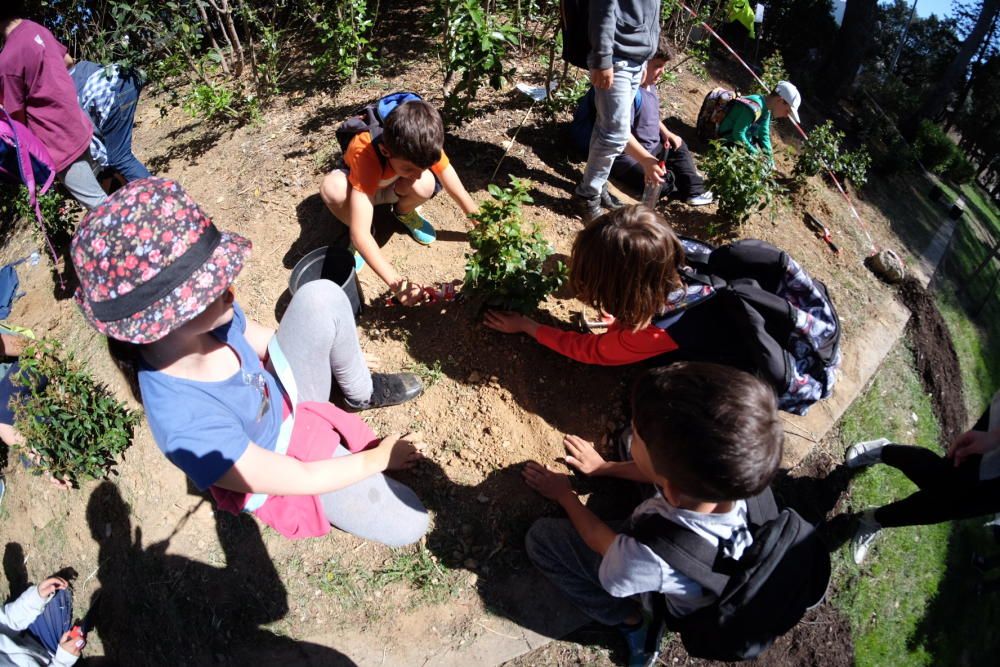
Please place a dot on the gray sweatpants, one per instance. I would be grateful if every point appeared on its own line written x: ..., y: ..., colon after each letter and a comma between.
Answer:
x: 79, y: 178
x: 320, y: 341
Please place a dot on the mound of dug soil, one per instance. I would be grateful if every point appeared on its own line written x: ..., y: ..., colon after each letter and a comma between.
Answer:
x: 937, y: 362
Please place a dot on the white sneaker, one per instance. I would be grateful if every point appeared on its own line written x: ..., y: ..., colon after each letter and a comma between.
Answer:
x: 863, y: 539
x: 703, y: 199
x: 865, y: 453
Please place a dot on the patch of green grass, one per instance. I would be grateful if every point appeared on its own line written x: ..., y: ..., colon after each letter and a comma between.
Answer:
x: 887, y: 597
x: 431, y: 581
x: 977, y: 350
x: 430, y: 375
x: 347, y: 584
x: 983, y: 204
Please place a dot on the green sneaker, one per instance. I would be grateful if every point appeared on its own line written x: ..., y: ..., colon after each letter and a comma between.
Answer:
x: 419, y: 227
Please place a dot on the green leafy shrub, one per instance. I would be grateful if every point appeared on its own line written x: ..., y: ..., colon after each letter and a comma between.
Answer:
x: 473, y: 51
x: 566, y: 96
x: 343, y: 29
x: 74, y: 423
x: 821, y: 150
x: 959, y: 170
x: 59, y: 213
x: 772, y: 71
x: 743, y: 182
x: 934, y: 148
x: 506, y: 266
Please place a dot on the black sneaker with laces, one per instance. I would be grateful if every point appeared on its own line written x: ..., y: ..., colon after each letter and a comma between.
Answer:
x: 389, y: 389
x: 587, y: 208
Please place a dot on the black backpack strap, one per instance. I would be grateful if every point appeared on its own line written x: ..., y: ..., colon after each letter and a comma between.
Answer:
x: 761, y: 508
x: 685, y: 551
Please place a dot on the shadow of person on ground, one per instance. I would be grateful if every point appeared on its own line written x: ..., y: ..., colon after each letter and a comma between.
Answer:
x: 14, y: 570
x: 451, y: 336
x: 155, y: 608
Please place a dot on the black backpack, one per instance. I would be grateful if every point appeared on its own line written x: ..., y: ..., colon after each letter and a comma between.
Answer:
x: 371, y: 118
x: 751, y: 306
x: 783, y: 574
x: 575, y: 24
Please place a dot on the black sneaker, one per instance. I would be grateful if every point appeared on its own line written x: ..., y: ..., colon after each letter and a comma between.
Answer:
x: 389, y: 389
x: 587, y: 208
x: 609, y: 201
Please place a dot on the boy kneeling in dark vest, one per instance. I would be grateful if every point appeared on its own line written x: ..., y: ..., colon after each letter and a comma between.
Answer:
x: 704, y: 439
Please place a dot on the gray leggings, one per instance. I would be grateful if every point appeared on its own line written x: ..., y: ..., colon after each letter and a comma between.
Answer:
x: 320, y: 341
x: 80, y: 181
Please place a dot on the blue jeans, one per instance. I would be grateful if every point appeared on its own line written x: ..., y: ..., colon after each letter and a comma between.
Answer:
x: 54, y: 621
x: 117, y: 130
x: 612, y: 127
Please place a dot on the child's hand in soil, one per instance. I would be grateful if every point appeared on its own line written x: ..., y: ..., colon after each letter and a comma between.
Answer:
x: 549, y: 484
x: 401, y: 451
x: 50, y: 586
x: 72, y: 645
x: 582, y: 455
x: 507, y: 322
x: 971, y: 443
x: 410, y: 294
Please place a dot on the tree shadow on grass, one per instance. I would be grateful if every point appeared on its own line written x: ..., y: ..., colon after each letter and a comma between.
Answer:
x: 157, y: 608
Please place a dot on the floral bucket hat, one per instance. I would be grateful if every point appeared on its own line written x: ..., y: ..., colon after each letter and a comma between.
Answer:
x: 149, y: 260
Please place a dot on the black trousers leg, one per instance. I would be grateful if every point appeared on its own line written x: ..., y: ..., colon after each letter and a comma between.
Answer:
x: 688, y: 181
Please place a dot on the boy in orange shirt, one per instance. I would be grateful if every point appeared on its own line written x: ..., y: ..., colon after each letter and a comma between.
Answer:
x: 404, y: 166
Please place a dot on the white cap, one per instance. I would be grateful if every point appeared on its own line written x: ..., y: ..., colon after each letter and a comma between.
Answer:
x: 788, y: 92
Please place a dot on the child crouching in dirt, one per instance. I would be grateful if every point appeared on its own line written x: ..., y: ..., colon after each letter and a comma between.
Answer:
x: 404, y: 166
x: 242, y: 409
x: 626, y: 263
x: 35, y: 628
x: 707, y: 437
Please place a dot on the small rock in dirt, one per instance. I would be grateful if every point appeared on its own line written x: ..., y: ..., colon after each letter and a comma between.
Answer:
x: 483, y: 498
x: 471, y: 563
x: 474, y: 377
x: 887, y: 265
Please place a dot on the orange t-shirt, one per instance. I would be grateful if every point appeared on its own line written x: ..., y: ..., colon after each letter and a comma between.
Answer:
x: 369, y: 174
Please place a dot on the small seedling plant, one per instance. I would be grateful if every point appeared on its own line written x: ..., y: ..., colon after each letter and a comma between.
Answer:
x: 743, y: 182
x: 473, y: 52
x: 74, y: 424
x: 821, y: 151
x: 507, y: 265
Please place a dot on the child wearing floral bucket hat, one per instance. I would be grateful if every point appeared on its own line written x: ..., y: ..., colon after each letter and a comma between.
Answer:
x: 241, y: 409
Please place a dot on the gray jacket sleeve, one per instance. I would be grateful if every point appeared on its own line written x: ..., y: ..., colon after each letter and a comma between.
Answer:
x: 603, y: 19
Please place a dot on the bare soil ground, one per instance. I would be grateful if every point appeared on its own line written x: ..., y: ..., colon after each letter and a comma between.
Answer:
x: 176, y: 583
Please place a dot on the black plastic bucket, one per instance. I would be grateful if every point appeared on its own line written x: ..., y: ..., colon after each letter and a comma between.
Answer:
x: 330, y: 263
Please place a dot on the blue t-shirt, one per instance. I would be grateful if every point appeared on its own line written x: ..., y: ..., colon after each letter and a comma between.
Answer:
x: 204, y: 427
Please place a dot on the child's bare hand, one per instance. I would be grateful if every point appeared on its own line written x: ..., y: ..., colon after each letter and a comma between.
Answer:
x: 51, y: 585
x: 582, y: 455
x: 411, y: 294
x: 507, y: 322
x: 550, y: 484
x: 402, y: 451
x: 971, y: 443
x: 72, y: 645
x: 602, y: 78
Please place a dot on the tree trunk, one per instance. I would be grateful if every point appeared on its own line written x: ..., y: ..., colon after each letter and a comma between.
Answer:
x: 211, y: 37
x: 967, y: 88
x: 853, y: 39
x: 936, y: 99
